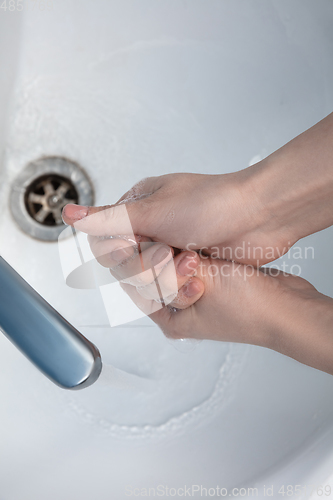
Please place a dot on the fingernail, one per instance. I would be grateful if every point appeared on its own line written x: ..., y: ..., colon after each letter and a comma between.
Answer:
x: 121, y: 254
x: 76, y: 212
x: 187, y: 265
x: 190, y: 289
x: 161, y: 256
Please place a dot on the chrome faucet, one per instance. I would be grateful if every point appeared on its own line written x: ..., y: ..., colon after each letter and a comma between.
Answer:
x: 51, y: 343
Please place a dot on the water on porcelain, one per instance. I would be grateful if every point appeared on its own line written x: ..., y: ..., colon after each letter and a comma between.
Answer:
x: 165, y: 86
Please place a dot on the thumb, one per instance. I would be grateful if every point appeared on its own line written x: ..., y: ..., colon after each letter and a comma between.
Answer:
x: 136, y: 217
x: 110, y: 221
x: 72, y: 213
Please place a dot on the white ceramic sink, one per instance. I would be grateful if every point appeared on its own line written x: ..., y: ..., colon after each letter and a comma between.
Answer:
x: 130, y: 89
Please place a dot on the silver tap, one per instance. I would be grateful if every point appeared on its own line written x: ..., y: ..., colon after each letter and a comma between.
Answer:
x: 51, y: 343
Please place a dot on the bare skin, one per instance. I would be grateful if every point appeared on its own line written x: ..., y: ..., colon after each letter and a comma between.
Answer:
x: 269, y: 206
x: 243, y: 304
x: 264, y: 210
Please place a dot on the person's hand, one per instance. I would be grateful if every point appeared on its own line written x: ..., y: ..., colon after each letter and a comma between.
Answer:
x: 153, y: 269
x: 240, y: 303
x: 219, y: 215
x: 252, y: 216
x: 243, y: 304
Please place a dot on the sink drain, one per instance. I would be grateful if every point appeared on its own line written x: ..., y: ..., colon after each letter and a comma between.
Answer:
x: 41, y: 191
x: 46, y: 197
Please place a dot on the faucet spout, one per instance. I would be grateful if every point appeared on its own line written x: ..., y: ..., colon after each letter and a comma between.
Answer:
x: 51, y: 343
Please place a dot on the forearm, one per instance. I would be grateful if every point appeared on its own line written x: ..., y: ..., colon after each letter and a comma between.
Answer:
x: 294, y: 185
x: 304, y: 331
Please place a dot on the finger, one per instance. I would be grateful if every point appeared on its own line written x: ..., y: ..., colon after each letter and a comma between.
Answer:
x: 173, y: 277
x: 71, y: 213
x: 140, y: 217
x: 177, y: 325
x: 114, y: 219
x: 110, y: 220
x: 111, y: 251
x: 189, y: 294
x: 147, y: 306
x: 143, y: 268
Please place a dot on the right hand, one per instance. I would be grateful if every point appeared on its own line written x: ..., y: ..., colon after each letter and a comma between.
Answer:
x: 219, y: 215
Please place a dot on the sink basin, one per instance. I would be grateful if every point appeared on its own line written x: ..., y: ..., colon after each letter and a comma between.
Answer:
x: 129, y: 90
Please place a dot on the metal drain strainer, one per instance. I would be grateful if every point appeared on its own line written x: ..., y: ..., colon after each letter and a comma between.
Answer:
x: 41, y: 191
x: 46, y: 197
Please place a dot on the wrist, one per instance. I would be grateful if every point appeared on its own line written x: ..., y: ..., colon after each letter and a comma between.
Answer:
x: 293, y: 186
x: 303, y: 329
x: 257, y: 222
x: 278, y: 205
x: 242, y: 200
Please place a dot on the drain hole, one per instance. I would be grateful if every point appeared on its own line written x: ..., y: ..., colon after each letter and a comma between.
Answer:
x: 46, y: 196
x: 42, y: 189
